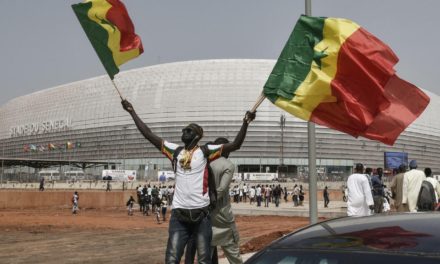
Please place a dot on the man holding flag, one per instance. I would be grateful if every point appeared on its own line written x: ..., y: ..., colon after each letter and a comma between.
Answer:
x: 190, y: 215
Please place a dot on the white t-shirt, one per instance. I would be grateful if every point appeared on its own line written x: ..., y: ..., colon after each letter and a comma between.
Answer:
x: 252, y: 192
x: 258, y: 191
x: 75, y: 198
x: 191, y: 189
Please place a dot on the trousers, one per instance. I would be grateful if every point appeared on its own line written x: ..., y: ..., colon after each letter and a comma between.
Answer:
x: 180, y: 232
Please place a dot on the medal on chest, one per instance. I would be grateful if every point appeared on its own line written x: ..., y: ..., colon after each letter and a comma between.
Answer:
x: 185, y: 161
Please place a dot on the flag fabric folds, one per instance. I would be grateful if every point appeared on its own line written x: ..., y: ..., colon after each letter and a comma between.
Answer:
x: 111, y: 32
x: 51, y: 146
x: 334, y: 73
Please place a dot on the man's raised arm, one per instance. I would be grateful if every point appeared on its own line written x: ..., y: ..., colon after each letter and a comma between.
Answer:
x: 143, y: 128
x: 238, y: 141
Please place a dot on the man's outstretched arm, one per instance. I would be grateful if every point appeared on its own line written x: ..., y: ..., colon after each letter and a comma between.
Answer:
x: 143, y: 128
x: 238, y: 141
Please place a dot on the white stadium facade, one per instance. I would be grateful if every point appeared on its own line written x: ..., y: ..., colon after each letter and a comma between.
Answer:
x: 212, y: 93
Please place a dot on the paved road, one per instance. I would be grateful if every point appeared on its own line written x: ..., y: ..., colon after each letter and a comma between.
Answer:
x: 335, y: 209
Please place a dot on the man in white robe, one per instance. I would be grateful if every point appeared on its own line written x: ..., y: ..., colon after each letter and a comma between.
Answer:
x: 360, y: 200
x: 412, y: 182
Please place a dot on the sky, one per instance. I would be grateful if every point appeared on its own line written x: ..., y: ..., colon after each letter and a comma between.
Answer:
x: 42, y: 44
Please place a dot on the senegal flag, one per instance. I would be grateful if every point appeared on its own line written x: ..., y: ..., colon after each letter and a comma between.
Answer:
x: 111, y: 32
x: 334, y: 73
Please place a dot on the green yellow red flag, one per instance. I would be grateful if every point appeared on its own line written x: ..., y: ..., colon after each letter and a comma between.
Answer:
x: 335, y: 73
x: 111, y: 32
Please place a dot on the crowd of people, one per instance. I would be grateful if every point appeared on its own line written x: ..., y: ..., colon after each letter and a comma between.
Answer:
x: 266, y: 194
x: 409, y: 191
x: 156, y: 199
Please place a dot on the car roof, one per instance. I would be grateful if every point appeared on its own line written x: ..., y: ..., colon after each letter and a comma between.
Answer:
x: 412, y: 233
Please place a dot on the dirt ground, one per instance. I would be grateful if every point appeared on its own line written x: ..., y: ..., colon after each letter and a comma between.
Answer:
x: 110, y: 236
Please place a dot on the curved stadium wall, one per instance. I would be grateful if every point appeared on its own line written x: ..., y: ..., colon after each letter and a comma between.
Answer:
x: 212, y: 93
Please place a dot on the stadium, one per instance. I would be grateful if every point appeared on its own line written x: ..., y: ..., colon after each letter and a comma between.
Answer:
x: 84, y: 121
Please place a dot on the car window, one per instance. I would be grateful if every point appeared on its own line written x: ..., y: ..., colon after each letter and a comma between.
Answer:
x: 328, y: 257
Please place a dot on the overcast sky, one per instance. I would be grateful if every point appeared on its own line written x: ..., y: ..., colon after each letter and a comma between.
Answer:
x: 42, y: 44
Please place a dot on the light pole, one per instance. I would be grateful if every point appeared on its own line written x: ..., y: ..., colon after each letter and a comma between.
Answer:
x: 313, y: 201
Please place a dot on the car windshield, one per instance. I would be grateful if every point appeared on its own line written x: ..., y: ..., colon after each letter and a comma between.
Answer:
x: 327, y: 257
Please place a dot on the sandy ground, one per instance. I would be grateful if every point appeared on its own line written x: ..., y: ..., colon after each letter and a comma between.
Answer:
x: 110, y: 236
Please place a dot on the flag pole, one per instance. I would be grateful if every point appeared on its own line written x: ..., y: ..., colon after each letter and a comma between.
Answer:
x: 313, y: 188
x: 114, y: 85
x: 258, y: 102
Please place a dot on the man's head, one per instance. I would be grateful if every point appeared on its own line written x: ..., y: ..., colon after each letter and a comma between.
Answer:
x: 191, y: 134
x: 413, y: 164
x: 402, y: 168
x: 428, y: 172
x: 368, y: 171
x: 359, y: 168
x: 221, y: 141
x: 379, y: 172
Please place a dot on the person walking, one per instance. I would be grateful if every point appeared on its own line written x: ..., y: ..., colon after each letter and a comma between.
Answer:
x: 245, y: 192
x: 267, y: 193
x: 251, y: 194
x: 301, y: 196
x: 326, y: 197
x: 130, y: 204
x: 164, y: 205
x: 412, y: 181
x: 258, y: 195
x: 41, y: 184
x: 360, y: 200
x: 295, y: 195
x: 277, y: 194
x: 191, y: 202
x: 378, y: 191
x: 396, y: 187
x: 109, y: 187
x: 75, y: 200
x: 434, y: 182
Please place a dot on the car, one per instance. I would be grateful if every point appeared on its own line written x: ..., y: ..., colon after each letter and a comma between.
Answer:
x: 403, y: 238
